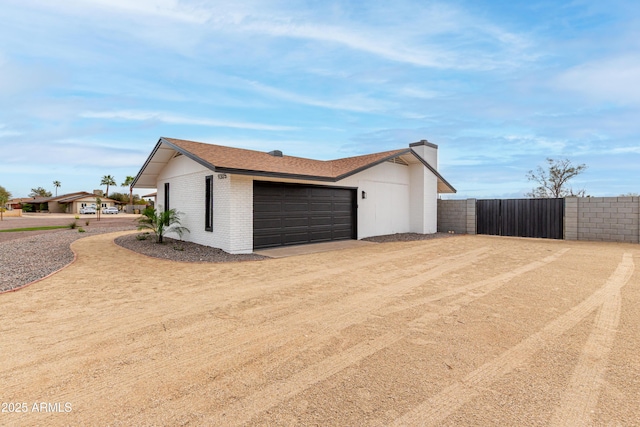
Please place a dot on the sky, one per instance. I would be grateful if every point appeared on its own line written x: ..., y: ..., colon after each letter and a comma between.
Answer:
x: 88, y: 87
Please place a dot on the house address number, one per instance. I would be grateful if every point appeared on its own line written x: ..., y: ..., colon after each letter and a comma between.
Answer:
x: 222, y: 176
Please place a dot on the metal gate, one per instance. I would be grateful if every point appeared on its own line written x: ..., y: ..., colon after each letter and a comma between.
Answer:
x: 521, y: 217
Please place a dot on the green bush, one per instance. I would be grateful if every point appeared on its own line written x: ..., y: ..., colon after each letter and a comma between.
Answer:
x: 73, y: 225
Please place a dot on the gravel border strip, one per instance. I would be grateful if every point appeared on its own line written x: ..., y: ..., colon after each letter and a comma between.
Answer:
x: 407, y: 237
x: 178, y: 250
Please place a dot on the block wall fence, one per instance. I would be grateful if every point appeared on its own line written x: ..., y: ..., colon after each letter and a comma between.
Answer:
x: 604, y: 219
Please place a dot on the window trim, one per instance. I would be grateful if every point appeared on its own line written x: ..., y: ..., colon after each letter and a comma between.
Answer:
x: 166, y: 196
x: 208, y: 203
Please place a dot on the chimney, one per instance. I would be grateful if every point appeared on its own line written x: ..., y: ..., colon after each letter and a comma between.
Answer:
x: 98, y: 193
x: 427, y: 151
x: 275, y: 153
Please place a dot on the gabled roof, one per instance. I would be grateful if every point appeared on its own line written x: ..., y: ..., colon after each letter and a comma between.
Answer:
x: 231, y: 160
x: 67, y: 198
x: 63, y: 198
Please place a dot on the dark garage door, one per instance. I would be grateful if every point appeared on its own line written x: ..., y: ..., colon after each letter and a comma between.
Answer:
x: 293, y: 214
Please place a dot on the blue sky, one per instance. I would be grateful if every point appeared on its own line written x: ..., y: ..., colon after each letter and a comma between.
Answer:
x: 88, y: 87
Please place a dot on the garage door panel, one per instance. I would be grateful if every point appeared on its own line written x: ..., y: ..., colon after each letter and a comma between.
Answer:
x: 341, y: 234
x: 268, y: 206
x: 321, y: 192
x: 295, y: 206
x: 321, y: 235
x: 321, y: 220
x: 295, y: 222
x: 291, y: 214
x: 268, y: 223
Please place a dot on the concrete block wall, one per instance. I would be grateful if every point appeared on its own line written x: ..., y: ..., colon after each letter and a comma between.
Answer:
x: 452, y: 216
x: 458, y: 216
x: 605, y: 219
x: 608, y: 219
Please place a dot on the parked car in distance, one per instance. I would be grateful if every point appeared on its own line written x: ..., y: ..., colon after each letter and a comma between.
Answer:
x: 88, y: 210
x: 111, y: 210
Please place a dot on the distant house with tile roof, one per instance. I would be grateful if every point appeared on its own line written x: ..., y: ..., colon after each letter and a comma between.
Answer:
x: 65, y: 203
x: 239, y: 200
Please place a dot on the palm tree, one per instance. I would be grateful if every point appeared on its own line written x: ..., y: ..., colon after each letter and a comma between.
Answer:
x: 127, y: 183
x: 161, y: 223
x: 56, y: 184
x: 108, y: 180
x: 4, y: 198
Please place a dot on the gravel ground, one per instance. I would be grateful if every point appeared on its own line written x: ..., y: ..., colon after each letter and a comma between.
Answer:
x: 177, y: 250
x: 31, y: 258
x: 406, y: 237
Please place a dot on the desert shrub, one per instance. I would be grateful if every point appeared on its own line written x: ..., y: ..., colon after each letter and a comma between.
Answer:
x: 73, y: 225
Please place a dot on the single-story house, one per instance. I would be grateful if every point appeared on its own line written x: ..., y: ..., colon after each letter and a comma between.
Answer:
x: 239, y: 200
x: 72, y: 203
x: 65, y: 203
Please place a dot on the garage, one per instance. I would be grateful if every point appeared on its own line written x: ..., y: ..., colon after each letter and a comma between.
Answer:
x: 294, y: 214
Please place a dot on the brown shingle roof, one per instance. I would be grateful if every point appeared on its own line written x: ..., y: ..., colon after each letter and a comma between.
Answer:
x: 222, y: 157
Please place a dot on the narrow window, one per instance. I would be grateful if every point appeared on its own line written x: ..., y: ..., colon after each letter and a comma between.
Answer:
x: 166, y: 196
x: 208, y: 203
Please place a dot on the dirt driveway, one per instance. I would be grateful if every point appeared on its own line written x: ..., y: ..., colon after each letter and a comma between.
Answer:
x: 462, y: 331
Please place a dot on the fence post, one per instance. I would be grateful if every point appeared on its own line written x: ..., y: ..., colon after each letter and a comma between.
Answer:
x: 571, y: 218
x: 471, y: 216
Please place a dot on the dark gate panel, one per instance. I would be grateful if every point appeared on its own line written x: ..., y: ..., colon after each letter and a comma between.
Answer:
x: 293, y: 214
x: 542, y: 218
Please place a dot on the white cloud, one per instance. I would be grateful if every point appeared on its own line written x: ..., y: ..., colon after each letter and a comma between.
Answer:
x: 169, y: 118
x: 357, y: 103
x: 614, y: 79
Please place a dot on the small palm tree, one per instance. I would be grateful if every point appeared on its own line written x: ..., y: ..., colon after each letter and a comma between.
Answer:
x: 127, y: 183
x: 56, y: 184
x: 161, y: 223
x: 108, y: 180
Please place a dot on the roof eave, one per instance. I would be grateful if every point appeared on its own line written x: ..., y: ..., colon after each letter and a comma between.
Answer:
x: 435, y: 172
x: 175, y: 147
x: 372, y: 164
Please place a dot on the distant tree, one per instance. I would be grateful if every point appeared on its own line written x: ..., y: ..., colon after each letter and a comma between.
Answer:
x: 120, y: 197
x: 629, y: 195
x: 127, y: 183
x: 98, y: 208
x: 108, y: 180
x: 5, y: 195
x: 56, y: 184
x: 161, y: 223
x: 552, y: 182
x: 39, y: 192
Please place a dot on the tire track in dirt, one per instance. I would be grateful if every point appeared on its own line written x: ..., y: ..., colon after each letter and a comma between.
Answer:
x: 231, y: 346
x: 493, y: 282
x: 435, y: 409
x: 581, y: 395
x: 239, y: 293
x: 245, y: 409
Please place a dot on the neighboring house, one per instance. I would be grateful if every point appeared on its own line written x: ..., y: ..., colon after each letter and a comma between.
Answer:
x: 240, y: 200
x: 65, y: 203
x: 72, y: 203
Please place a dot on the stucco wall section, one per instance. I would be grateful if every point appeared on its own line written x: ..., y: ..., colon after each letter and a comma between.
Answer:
x: 612, y: 219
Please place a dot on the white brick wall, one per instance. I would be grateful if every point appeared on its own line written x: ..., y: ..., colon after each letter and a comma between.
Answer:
x: 186, y: 180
